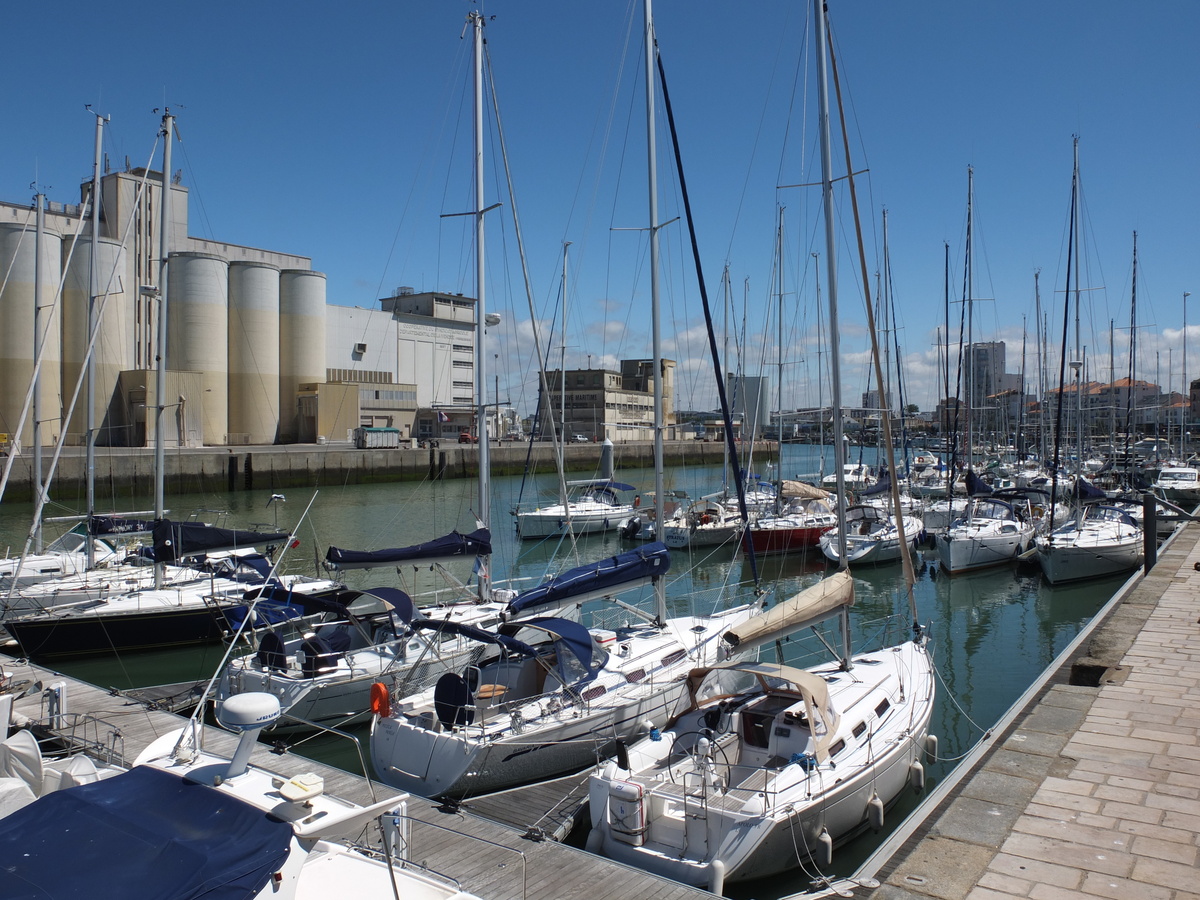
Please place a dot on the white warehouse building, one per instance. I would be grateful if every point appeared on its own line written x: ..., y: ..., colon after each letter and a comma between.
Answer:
x: 255, y: 353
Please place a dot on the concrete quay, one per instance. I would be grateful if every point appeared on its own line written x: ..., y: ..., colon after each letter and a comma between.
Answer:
x: 118, y: 471
x: 1093, y: 789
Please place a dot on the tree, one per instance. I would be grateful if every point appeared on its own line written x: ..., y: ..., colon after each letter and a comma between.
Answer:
x: 912, y: 409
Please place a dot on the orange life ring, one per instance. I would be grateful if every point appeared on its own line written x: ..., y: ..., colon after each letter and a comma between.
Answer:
x: 381, y: 700
x: 705, y: 519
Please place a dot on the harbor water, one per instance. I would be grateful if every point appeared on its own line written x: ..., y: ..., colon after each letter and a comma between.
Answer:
x: 993, y: 632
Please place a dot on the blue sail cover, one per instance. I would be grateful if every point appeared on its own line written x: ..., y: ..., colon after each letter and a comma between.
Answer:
x: 143, y: 834
x: 175, y: 540
x: 1085, y: 490
x: 452, y: 546
x: 649, y: 560
x: 976, y: 485
x: 103, y: 526
x: 882, y: 486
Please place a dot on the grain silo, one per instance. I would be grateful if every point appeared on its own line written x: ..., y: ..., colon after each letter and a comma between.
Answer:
x: 253, y: 352
x: 301, y: 342
x: 197, y: 341
x: 113, y: 350
x: 17, y: 345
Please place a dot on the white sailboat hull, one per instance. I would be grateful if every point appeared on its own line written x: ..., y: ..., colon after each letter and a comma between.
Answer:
x: 982, y: 544
x: 735, y: 821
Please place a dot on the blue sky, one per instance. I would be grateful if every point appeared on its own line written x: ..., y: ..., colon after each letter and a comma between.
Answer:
x: 343, y: 133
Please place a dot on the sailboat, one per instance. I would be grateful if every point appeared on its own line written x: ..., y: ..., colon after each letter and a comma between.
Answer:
x: 325, y: 673
x: 1099, y: 539
x: 548, y: 695
x: 988, y: 533
x: 767, y: 766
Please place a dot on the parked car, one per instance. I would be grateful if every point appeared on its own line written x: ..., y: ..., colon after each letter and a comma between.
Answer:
x: 580, y: 439
x: 466, y: 437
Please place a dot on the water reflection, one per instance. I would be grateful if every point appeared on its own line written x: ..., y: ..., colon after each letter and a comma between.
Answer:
x: 993, y: 632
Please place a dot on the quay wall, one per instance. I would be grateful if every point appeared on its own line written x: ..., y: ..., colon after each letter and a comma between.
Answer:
x: 122, y: 471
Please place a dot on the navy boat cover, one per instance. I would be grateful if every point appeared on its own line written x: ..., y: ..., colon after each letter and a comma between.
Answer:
x: 643, y: 562
x: 976, y: 486
x: 175, y: 540
x: 145, y: 833
x: 452, y: 546
x: 101, y: 526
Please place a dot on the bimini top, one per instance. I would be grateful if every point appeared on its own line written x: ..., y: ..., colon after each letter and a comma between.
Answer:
x: 451, y: 546
x: 569, y: 637
x: 175, y: 540
x: 620, y: 572
x: 145, y: 833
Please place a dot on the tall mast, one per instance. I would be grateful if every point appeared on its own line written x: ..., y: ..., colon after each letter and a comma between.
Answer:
x: 820, y: 375
x: 93, y: 323
x: 779, y: 330
x: 562, y: 388
x: 485, y: 492
x: 839, y: 450
x: 969, y: 293
x: 160, y: 381
x: 660, y: 589
x: 1077, y: 361
x: 946, y: 358
x: 885, y: 309
x: 40, y: 200
x: 1185, y: 390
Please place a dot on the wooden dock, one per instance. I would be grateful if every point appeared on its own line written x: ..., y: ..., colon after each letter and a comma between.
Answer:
x: 486, y: 857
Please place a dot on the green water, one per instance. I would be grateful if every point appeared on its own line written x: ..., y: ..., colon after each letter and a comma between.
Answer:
x: 992, y: 632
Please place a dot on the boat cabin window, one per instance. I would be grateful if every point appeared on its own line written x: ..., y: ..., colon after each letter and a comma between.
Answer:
x: 594, y: 692
x: 837, y: 748
x: 859, y: 729
x: 672, y: 658
x: 635, y: 676
x: 884, y: 706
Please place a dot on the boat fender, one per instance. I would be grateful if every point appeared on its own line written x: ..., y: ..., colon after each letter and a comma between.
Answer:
x: 716, y: 877
x: 637, y: 501
x: 595, y: 839
x: 931, y: 748
x: 875, y: 813
x: 824, y: 854
x: 381, y: 700
x: 916, y: 776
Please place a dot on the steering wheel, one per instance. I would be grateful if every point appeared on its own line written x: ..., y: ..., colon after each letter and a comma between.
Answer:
x: 717, y: 757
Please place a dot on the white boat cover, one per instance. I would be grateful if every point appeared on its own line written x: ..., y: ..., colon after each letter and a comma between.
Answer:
x: 812, y: 688
x: 813, y: 604
x: 803, y: 490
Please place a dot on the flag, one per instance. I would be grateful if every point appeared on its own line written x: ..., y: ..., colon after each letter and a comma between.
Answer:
x: 442, y: 417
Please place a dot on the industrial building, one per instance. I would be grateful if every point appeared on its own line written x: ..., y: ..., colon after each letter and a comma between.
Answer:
x: 255, y: 353
x: 601, y: 403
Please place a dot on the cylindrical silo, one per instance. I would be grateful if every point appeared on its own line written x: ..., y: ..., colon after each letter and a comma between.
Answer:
x: 301, y: 342
x: 254, y: 351
x: 113, y: 351
x: 17, y: 345
x: 198, y: 334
